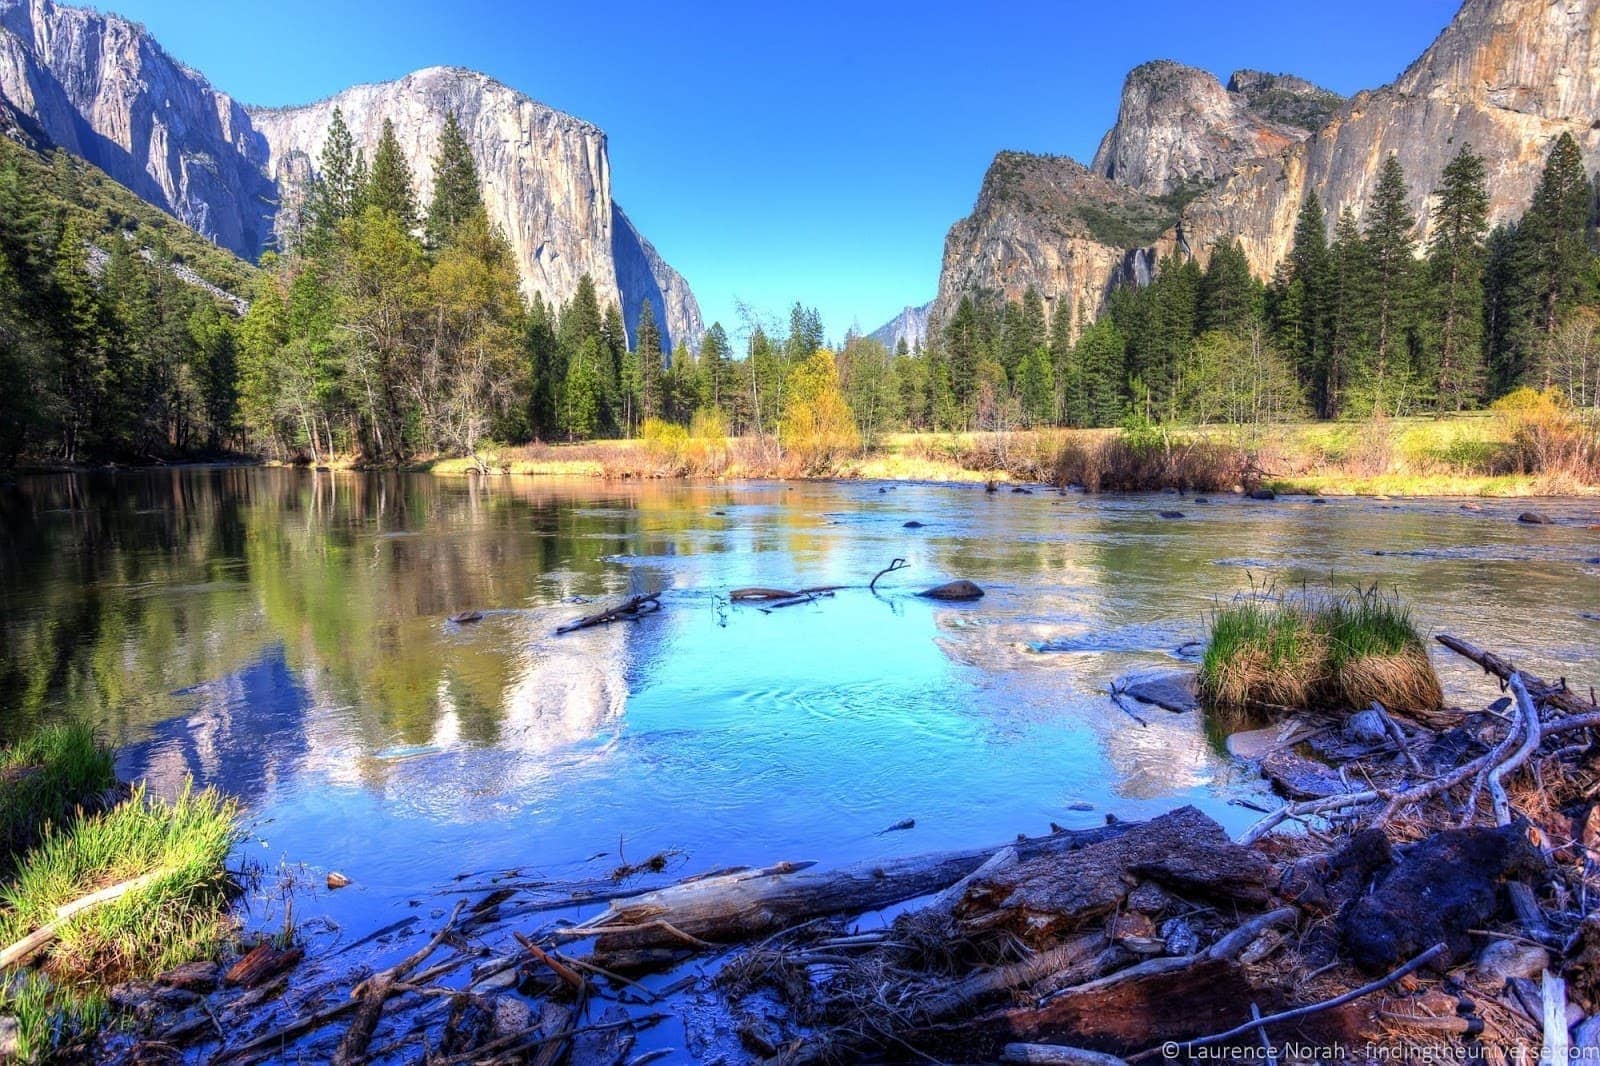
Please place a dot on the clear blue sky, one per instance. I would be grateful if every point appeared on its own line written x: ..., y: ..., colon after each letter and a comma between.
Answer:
x: 778, y: 151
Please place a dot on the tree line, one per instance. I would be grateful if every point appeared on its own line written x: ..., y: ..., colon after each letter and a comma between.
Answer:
x: 389, y: 329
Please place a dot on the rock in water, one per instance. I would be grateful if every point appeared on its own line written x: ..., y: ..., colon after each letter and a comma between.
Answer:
x: 1174, y: 690
x: 1263, y: 494
x: 1535, y: 518
x: 953, y: 590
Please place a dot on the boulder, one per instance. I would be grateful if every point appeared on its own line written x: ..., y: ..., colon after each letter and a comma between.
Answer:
x: 1174, y: 690
x: 913, y: 524
x: 1535, y: 518
x: 953, y: 590
x: 1262, y: 494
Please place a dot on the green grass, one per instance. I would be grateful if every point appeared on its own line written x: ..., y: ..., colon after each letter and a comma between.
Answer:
x: 1329, y: 652
x: 44, y: 779
x: 181, y: 916
x: 47, y: 1023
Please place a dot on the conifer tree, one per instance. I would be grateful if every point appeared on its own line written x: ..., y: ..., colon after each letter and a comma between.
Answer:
x: 456, y: 195
x: 1347, y: 313
x: 647, y: 350
x: 1390, y: 290
x: 1455, y: 271
x: 388, y: 186
x: 335, y: 188
x: 1230, y: 296
x: 1553, y: 253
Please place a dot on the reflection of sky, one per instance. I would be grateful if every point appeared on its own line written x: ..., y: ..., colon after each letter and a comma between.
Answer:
x: 739, y: 735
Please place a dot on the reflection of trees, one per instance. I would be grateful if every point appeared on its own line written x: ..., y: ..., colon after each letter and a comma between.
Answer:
x: 161, y: 604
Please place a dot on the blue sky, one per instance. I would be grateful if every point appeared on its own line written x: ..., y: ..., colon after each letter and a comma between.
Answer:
x: 817, y: 151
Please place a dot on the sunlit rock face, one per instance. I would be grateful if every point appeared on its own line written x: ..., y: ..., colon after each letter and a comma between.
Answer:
x: 1178, y: 128
x: 1045, y: 222
x: 1506, y: 76
x: 101, y: 87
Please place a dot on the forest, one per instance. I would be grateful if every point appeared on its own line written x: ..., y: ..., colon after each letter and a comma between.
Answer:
x: 389, y: 329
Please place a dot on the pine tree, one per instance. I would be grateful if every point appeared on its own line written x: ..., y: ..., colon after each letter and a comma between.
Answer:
x: 388, y: 186
x: 546, y: 367
x: 1455, y: 269
x: 713, y: 369
x: 1307, y: 287
x: 1553, y: 253
x: 1348, y: 313
x: 456, y: 196
x: 334, y: 191
x: 1390, y: 289
x: 1230, y: 296
x: 647, y: 350
x: 1060, y: 356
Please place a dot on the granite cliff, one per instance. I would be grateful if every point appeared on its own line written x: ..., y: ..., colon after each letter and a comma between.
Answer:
x: 102, y: 88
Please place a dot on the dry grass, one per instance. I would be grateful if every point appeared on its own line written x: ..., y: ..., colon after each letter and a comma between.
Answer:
x: 1329, y: 652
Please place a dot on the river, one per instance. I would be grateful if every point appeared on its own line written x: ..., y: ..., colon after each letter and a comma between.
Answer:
x: 283, y: 636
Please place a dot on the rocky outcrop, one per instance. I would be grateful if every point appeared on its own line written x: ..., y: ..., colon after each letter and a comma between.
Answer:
x: 102, y: 88
x: 910, y: 325
x: 1178, y: 130
x: 1050, y: 223
x: 1506, y: 76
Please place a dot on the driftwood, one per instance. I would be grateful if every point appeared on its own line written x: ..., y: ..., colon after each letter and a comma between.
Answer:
x: 1297, y: 1013
x: 1057, y: 1055
x: 371, y: 995
x: 36, y: 941
x: 745, y: 904
x: 629, y: 610
x: 758, y: 594
x: 1558, y: 695
x: 262, y: 963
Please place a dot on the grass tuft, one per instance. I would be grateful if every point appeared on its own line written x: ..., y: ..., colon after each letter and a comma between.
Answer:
x: 44, y: 779
x: 1336, y: 651
x: 179, y: 917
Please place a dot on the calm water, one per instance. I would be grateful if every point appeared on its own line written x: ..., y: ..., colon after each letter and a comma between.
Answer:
x: 282, y: 635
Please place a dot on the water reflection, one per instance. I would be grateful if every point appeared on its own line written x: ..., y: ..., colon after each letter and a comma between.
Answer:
x: 282, y: 634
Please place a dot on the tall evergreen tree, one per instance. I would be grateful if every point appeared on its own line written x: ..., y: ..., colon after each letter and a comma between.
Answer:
x: 335, y: 189
x: 388, y: 185
x: 647, y: 349
x: 456, y: 196
x: 1455, y: 270
x: 1306, y: 293
x: 1348, y: 314
x: 1390, y: 289
x: 1553, y: 252
x: 1230, y: 296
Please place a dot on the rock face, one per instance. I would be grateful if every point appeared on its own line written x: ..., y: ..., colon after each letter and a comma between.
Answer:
x: 910, y: 325
x: 1048, y: 222
x: 546, y: 180
x: 1179, y: 130
x: 102, y: 88
x: 1507, y: 76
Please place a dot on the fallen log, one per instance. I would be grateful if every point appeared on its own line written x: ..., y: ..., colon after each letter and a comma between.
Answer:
x: 1557, y: 695
x: 40, y: 938
x: 762, y: 595
x: 746, y: 904
x: 632, y: 609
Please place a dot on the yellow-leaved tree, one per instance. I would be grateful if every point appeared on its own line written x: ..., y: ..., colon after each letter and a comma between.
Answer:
x: 817, y: 428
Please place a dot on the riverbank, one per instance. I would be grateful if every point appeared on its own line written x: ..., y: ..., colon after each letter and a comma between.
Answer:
x: 1466, y: 455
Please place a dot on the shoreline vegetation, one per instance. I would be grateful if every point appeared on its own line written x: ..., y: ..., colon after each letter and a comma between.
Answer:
x: 1420, y: 866
x: 1538, y: 449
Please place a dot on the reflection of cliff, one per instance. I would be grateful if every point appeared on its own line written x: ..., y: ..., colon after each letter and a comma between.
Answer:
x: 244, y: 735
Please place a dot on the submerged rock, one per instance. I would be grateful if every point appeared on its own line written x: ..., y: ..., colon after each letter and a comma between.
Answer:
x: 1175, y: 690
x: 1535, y: 518
x: 913, y: 524
x: 462, y: 618
x: 1171, y: 514
x: 1262, y: 494
x: 953, y: 590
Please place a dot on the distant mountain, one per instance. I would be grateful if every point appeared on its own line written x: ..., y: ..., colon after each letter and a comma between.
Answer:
x: 1190, y: 162
x: 910, y: 325
x: 102, y: 88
